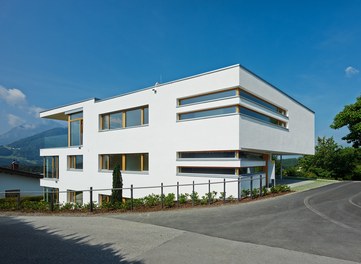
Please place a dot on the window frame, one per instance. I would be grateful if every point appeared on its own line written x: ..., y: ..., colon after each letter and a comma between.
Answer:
x: 54, y: 167
x: 72, y: 162
x: 81, y: 125
x: 123, y: 162
x: 144, y: 118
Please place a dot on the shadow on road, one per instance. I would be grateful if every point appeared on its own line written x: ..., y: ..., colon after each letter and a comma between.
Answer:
x: 22, y: 243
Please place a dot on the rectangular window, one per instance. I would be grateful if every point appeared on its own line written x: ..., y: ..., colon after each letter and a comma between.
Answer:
x: 116, y: 120
x: 75, y: 162
x: 255, y: 99
x: 207, y: 113
x: 207, y: 155
x: 51, y: 167
x: 12, y: 193
x: 75, y: 127
x: 51, y: 194
x: 75, y: 197
x: 262, y: 117
x: 127, y: 162
x: 207, y: 170
x: 125, y: 118
x: 251, y: 170
x: 207, y: 97
x: 133, y: 118
x: 104, y: 199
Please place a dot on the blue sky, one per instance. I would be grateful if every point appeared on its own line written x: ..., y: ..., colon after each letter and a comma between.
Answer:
x: 58, y: 52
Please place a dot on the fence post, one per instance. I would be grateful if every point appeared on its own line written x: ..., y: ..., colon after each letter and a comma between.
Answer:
x: 18, y: 200
x: 161, y: 194
x: 193, y: 194
x: 91, y: 199
x: 260, y: 185
x: 177, y: 194
x: 52, y: 200
x: 251, y: 187
x: 209, y: 192
x: 224, y: 190
x: 131, y: 197
x: 239, y: 189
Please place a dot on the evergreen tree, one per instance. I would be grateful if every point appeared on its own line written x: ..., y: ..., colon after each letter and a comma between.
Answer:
x: 117, y: 195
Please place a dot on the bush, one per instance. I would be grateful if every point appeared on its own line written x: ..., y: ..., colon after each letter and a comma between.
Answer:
x: 152, y: 200
x: 246, y: 193
x: 255, y: 193
x: 280, y: 188
x: 183, y: 198
x: 169, y: 200
x: 264, y: 190
x: 194, y: 197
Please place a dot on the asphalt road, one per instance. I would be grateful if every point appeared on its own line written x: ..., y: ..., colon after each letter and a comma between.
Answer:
x: 318, y: 226
x: 325, y: 221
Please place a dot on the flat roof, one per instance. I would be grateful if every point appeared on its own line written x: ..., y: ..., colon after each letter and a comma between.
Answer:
x: 20, y: 173
x: 97, y: 100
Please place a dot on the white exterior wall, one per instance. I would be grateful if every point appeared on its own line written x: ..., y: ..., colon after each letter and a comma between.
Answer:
x: 27, y: 186
x: 165, y: 136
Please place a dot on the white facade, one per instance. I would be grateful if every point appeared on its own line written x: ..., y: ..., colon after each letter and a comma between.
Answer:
x: 166, y: 134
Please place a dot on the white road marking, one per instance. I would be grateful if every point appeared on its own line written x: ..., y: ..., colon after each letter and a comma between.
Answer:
x: 351, y: 198
x: 306, y: 201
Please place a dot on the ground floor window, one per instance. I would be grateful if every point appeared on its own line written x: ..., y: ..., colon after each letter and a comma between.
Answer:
x: 12, y: 193
x: 104, y: 199
x: 51, y: 194
x: 75, y: 197
x: 51, y: 167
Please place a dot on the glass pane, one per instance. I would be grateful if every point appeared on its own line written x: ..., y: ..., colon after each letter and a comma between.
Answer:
x: 48, y: 167
x: 114, y: 160
x: 75, y: 133
x: 207, y: 155
x: 146, y: 115
x: 261, y: 102
x: 105, y: 162
x: 199, y: 170
x: 79, y: 162
x: 76, y: 115
x: 132, y: 162
x: 261, y: 117
x: 207, y: 97
x: 105, y: 122
x: 79, y: 197
x: 146, y: 162
x: 133, y: 118
x: 116, y: 120
x: 206, y: 113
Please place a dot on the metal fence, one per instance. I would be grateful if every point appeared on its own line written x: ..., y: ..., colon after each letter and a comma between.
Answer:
x: 246, y: 187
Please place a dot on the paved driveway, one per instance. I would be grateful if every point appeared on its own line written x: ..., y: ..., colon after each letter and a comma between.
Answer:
x: 318, y: 226
x: 324, y: 221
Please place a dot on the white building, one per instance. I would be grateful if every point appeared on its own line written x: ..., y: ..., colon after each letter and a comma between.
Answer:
x: 220, y: 124
x: 14, y: 182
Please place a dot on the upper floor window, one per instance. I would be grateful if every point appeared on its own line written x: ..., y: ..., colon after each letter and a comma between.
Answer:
x: 208, y: 113
x: 127, y: 162
x: 262, y: 117
x: 75, y: 162
x: 125, y: 118
x: 255, y: 99
x: 207, y: 97
x: 207, y: 155
x: 51, y: 167
x: 75, y: 129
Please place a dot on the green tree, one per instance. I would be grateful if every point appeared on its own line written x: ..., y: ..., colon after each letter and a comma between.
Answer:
x: 350, y: 116
x: 117, y: 193
x: 332, y: 161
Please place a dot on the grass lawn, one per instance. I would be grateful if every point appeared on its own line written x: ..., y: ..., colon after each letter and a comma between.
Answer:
x: 312, y: 184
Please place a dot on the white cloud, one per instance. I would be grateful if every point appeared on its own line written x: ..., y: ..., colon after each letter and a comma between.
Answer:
x: 35, y: 111
x: 351, y: 71
x: 12, y: 96
x: 14, y: 120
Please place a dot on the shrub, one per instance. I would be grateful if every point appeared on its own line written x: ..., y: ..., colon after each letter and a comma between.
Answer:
x: 264, y: 190
x: 169, y: 200
x: 34, y: 205
x: 183, y: 198
x: 280, y: 188
x: 67, y: 206
x: 194, y: 197
x: 152, y: 200
x: 255, y: 193
x: 221, y: 195
x: 246, y: 193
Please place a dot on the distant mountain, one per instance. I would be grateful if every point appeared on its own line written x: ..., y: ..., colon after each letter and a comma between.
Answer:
x: 25, y: 130
x: 26, y: 150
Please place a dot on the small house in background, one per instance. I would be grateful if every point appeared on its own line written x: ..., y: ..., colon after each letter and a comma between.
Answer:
x: 14, y: 182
